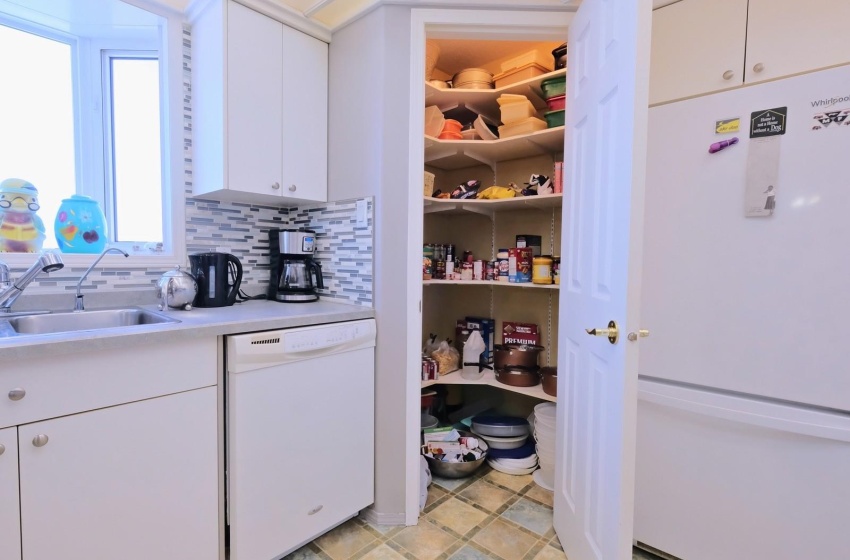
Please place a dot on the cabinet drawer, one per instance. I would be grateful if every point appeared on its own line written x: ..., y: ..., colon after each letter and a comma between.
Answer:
x: 59, y: 385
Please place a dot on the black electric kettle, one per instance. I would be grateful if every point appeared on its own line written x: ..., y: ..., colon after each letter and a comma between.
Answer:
x: 219, y: 276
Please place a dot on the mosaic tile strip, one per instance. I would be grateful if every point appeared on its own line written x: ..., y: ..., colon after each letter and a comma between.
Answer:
x: 344, y: 249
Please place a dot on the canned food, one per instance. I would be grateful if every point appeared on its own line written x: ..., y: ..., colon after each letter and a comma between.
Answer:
x: 478, y: 270
x: 466, y: 270
x: 428, y: 261
x: 440, y: 270
x: 467, y: 256
x: 490, y: 271
x: 556, y: 270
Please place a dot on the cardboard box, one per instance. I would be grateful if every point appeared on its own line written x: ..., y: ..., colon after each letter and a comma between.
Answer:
x: 520, y: 333
x: 519, y: 264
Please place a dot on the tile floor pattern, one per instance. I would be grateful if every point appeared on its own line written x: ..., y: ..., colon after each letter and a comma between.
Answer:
x: 490, y: 515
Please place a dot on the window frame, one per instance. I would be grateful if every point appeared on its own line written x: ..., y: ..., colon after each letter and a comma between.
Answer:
x: 91, y: 147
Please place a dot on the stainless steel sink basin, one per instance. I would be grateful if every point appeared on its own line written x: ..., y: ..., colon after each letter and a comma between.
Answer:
x: 85, y: 320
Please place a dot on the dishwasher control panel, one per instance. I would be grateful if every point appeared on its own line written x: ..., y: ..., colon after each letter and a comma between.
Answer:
x: 303, y: 340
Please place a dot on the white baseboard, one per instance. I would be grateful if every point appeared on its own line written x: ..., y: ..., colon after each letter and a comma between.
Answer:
x: 377, y: 518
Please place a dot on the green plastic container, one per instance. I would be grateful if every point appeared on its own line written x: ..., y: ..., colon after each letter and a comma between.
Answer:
x: 554, y: 87
x: 554, y: 118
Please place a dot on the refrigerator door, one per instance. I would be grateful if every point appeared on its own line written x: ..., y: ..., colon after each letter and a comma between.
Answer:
x: 722, y: 476
x: 750, y: 305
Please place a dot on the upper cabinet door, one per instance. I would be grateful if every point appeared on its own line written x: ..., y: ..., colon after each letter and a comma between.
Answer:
x: 786, y: 37
x: 697, y: 47
x: 254, y: 102
x: 305, y: 116
x: 10, y: 512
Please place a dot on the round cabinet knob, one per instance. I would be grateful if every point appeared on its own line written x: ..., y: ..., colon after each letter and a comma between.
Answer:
x: 728, y: 75
x: 292, y: 188
x: 758, y: 67
x: 40, y: 440
x: 17, y: 394
x: 276, y: 186
x: 2, y: 449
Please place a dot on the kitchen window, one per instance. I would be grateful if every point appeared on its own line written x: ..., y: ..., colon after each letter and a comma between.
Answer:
x: 85, y: 110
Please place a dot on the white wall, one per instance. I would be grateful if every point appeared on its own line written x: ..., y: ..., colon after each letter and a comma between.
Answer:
x: 368, y: 156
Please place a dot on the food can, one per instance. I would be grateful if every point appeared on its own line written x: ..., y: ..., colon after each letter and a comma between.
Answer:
x: 466, y: 270
x: 556, y: 270
x: 541, y: 271
x: 428, y: 261
x: 467, y: 256
x: 478, y: 270
x: 490, y: 270
x: 440, y: 270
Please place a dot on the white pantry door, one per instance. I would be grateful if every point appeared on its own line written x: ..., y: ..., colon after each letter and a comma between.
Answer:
x: 605, y: 160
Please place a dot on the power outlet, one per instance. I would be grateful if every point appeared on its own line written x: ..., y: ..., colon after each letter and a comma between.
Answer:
x: 361, y: 207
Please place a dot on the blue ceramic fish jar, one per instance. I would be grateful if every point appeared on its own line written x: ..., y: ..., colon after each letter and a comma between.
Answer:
x: 80, y: 226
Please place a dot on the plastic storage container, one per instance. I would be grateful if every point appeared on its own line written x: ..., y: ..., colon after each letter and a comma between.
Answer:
x: 525, y: 72
x: 500, y: 426
x: 517, y: 111
x: 555, y: 118
x: 434, y: 120
x: 429, y: 183
x: 557, y: 103
x: 553, y: 87
x: 540, y: 58
x: 525, y: 126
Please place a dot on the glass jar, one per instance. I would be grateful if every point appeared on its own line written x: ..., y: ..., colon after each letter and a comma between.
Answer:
x: 541, y: 271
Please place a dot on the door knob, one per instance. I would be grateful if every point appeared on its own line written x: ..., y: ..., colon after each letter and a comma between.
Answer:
x: 611, y: 332
x: 17, y: 394
x: 292, y: 188
x: 728, y: 75
x: 758, y: 67
x: 40, y: 440
x: 642, y: 333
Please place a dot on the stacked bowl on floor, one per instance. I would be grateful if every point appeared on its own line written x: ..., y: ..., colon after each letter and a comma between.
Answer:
x: 544, y: 432
x: 511, y: 450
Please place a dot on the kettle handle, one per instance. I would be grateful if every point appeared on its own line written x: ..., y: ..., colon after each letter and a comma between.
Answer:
x: 234, y: 288
x: 317, y: 268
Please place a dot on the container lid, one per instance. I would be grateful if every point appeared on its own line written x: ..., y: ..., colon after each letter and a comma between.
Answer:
x: 500, y: 421
x: 512, y: 71
x: 554, y: 80
x: 553, y: 112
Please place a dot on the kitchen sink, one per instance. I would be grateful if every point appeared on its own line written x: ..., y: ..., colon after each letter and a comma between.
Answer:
x: 82, y: 321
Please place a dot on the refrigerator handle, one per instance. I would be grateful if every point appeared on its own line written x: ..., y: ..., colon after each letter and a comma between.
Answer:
x: 785, y: 418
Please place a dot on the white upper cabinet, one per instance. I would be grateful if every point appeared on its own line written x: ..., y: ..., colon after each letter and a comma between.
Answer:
x: 697, y: 47
x: 788, y: 37
x: 259, y: 97
x: 10, y: 512
x: 704, y: 46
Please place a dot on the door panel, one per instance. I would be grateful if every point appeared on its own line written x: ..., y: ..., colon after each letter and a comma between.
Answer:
x: 10, y: 512
x: 605, y: 152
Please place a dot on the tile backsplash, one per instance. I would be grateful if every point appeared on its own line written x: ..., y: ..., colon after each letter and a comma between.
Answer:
x: 344, y: 248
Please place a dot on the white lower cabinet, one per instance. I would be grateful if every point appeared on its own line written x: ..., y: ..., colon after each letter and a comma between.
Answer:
x: 10, y: 520
x: 136, y: 481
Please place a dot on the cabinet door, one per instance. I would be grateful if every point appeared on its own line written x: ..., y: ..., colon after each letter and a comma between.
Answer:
x: 697, y: 47
x: 10, y: 520
x: 136, y: 482
x: 786, y: 37
x: 253, y: 101
x: 305, y: 116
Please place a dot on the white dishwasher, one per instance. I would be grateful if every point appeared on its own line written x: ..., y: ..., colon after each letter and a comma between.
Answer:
x: 300, y: 434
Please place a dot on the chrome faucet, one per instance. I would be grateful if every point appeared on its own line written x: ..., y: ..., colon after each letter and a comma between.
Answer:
x: 78, y: 303
x: 9, y: 290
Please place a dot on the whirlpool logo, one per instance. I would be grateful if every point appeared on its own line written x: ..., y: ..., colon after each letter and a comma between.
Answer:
x: 824, y: 103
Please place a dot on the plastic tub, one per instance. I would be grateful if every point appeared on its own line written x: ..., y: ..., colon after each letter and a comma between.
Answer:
x: 434, y: 120
x: 554, y: 118
x: 449, y: 135
x: 556, y: 103
x: 500, y: 426
x: 524, y: 72
x: 428, y: 185
x: 472, y: 78
x: 526, y: 126
x: 553, y: 87
x: 516, y: 112
x: 504, y: 442
x: 541, y: 58
x: 452, y: 125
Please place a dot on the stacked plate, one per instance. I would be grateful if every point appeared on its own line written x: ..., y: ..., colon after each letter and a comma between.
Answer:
x: 544, y: 434
x: 511, y: 450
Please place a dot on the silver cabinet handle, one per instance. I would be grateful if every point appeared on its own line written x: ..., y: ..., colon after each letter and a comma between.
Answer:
x: 275, y: 186
x: 2, y: 449
x: 17, y: 394
x: 758, y: 67
x: 292, y: 188
x: 728, y: 75
x: 40, y: 440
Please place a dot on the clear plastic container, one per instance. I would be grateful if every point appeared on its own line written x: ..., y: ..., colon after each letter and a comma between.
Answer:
x: 524, y: 72
x: 515, y: 112
x: 434, y: 121
x: 525, y: 126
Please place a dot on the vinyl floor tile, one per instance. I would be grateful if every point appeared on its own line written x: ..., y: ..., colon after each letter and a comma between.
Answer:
x: 344, y: 541
x: 425, y: 541
x: 531, y: 515
x: 457, y: 515
x: 508, y: 542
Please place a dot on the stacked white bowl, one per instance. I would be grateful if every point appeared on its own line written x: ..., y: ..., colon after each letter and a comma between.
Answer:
x: 544, y: 433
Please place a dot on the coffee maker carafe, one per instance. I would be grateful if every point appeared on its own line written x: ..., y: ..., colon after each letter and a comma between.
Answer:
x: 293, y: 266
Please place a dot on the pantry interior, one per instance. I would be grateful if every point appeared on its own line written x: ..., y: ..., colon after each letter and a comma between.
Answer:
x: 485, y: 227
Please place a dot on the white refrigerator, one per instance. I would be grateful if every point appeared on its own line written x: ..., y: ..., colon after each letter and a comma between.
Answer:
x: 743, y: 447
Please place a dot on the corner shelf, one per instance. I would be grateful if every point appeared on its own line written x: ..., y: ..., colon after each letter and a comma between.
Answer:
x: 483, y: 101
x: 490, y: 207
x: 523, y: 285
x: 489, y: 378
x: 457, y: 154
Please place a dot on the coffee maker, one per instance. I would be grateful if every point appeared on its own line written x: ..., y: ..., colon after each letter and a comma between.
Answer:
x: 293, y: 267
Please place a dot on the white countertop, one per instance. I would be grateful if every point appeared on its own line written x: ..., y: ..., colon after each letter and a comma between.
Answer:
x: 250, y: 316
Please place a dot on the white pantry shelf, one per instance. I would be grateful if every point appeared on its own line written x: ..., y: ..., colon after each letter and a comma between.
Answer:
x: 489, y: 207
x: 489, y: 378
x: 457, y: 154
x: 521, y: 285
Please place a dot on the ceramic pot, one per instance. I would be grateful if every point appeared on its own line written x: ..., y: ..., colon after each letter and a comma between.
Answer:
x: 80, y: 226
